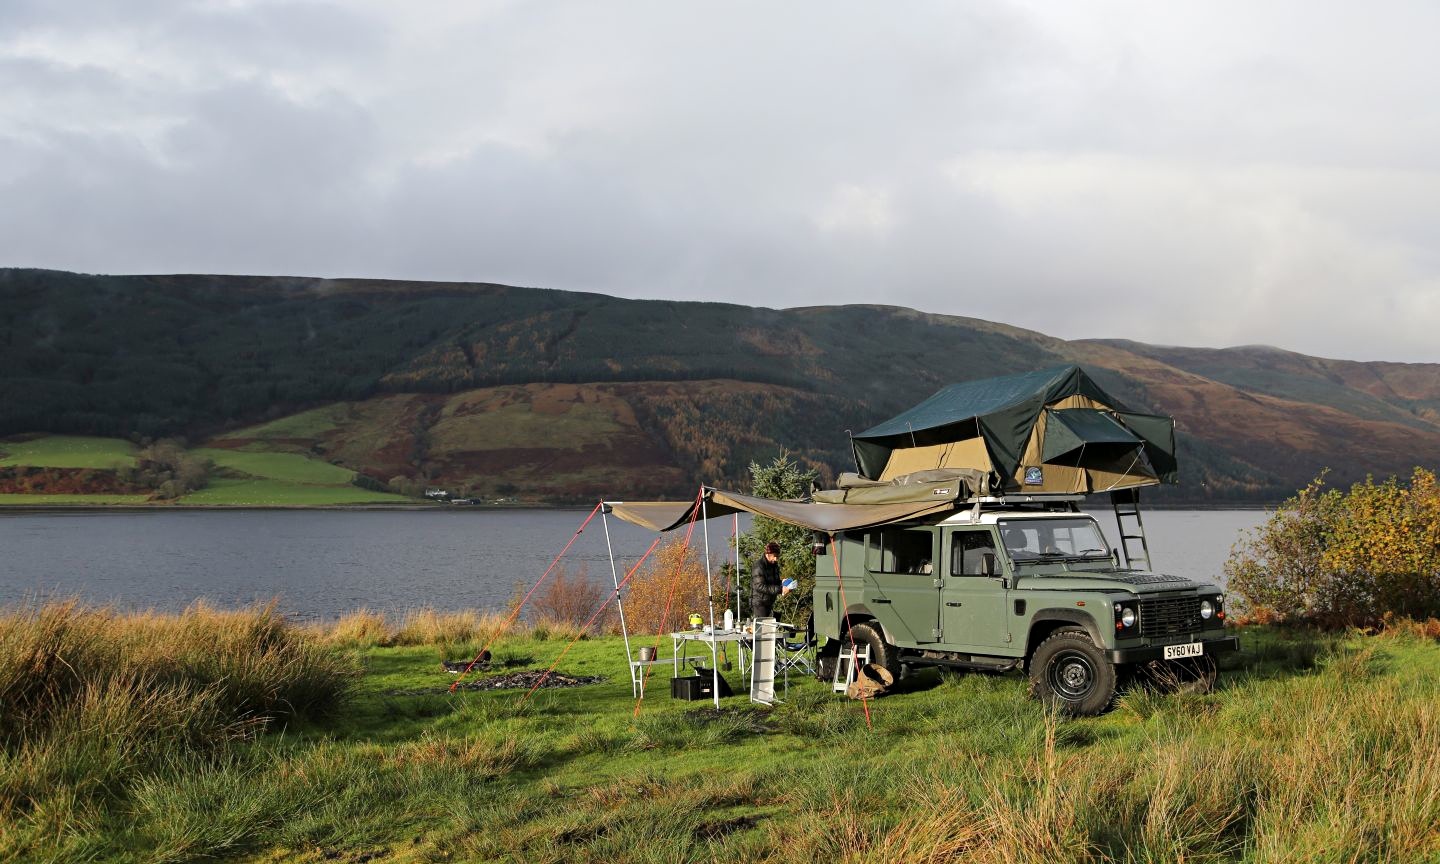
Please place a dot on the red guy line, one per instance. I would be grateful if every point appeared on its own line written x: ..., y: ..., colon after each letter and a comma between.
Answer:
x: 521, y: 605
x: 586, y: 628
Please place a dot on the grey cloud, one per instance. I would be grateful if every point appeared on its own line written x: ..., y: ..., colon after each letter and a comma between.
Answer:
x: 1186, y: 173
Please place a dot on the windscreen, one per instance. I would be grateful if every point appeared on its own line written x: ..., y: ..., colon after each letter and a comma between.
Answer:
x: 1059, y: 538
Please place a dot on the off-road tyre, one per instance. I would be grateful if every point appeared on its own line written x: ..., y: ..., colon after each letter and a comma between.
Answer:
x: 882, y: 653
x: 1068, y: 672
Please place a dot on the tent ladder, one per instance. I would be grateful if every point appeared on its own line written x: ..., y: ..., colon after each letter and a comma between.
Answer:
x: 1126, y: 503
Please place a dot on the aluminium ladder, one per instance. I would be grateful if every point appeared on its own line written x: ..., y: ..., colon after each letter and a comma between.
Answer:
x: 1126, y: 503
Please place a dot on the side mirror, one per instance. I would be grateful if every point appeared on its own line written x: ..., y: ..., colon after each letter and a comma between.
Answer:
x: 987, y: 564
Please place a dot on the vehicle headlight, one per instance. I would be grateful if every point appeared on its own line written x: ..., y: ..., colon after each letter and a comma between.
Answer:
x: 1207, y: 609
x: 1127, y: 617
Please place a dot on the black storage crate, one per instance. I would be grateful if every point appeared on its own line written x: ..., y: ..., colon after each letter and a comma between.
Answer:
x: 691, y: 688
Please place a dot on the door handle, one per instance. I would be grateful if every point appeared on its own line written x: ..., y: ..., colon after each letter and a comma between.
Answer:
x: 948, y: 603
x: 879, y: 600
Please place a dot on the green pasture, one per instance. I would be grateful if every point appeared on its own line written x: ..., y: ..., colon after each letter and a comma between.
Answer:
x: 264, y: 491
x: 288, y: 467
x: 67, y: 451
x: 307, y: 424
x: 22, y: 500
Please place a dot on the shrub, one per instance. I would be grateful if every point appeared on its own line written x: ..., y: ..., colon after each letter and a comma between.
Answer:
x: 571, y: 598
x: 1334, y: 559
x: 669, y: 587
x: 782, y: 479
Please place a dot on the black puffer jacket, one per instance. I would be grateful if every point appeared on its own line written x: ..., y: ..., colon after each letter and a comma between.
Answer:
x: 764, y: 587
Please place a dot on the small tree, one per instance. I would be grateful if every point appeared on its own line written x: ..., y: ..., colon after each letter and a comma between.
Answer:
x: 1335, y: 559
x: 782, y: 479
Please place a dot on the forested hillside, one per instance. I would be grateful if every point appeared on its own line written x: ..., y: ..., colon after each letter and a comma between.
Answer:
x: 559, y: 395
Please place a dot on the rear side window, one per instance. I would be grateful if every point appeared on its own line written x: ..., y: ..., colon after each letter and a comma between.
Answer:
x: 966, y: 549
x: 898, y: 551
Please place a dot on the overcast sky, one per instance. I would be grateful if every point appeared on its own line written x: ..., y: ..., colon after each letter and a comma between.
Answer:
x: 1193, y: 173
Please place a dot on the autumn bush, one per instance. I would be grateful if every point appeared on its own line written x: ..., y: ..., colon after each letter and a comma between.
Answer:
x: 571, y: 598
x: 669, y: 587
x: 1338, y: 559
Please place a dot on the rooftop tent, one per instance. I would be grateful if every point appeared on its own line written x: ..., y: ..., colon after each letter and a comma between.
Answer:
x: 1054, y: 430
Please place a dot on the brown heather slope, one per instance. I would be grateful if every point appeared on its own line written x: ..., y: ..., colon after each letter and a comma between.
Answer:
x: 556, y: 442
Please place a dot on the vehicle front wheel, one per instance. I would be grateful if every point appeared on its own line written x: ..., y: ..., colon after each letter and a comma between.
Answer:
x: 1070, y: 673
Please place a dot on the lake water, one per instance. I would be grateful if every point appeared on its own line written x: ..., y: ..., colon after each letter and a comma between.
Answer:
x: 327, y: 562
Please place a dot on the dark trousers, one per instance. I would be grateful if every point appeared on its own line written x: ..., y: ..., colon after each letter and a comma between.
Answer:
x: 762, y: 606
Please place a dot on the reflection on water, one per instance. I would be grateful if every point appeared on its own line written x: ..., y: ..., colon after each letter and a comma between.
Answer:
x: 326, y: 562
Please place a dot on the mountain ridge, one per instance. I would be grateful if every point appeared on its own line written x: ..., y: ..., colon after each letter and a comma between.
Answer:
x: 438, y: 382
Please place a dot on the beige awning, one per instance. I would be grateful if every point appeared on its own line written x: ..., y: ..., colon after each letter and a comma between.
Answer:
x: 827, y: 518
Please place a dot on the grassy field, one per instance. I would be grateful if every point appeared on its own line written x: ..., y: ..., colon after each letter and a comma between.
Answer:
x: 286, y: 467
x: 68, y: 451
x: 246, y: 477
x: 306, y: 424
x: 266, y: 492
x: 1313, y: 749
x: 23, y: 500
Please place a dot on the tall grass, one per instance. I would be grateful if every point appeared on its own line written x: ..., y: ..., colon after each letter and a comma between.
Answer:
x: 1316, y: 749
x: 91, y: 699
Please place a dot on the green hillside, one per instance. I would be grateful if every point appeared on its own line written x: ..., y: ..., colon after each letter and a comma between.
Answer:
x: 81, y: 470
x: 562, y: 396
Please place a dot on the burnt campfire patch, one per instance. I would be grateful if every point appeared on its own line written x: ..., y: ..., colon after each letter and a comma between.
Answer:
x: 513, y: 681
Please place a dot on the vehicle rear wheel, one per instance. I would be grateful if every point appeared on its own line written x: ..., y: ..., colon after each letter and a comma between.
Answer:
x: 1070, y: 673
x: 882, y: 653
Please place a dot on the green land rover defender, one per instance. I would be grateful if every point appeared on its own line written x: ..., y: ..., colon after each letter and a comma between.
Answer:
x: 1002, y: 586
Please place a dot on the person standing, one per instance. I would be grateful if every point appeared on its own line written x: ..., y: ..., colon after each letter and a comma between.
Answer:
x: 765, y: 582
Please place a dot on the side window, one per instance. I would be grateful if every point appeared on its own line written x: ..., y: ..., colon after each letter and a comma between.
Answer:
x: 898, y: 551
x: 966, y: 549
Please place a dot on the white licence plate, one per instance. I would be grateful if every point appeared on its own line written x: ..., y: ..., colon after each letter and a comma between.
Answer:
x: 1189, y: 649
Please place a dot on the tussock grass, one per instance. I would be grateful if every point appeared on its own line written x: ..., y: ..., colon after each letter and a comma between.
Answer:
x: 427, y: 626
x: 359, y: 629
x: 93, y: 701
x: 1312, y: 749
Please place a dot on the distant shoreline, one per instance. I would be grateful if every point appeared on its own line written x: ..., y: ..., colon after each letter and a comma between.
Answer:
x: 34, y: 509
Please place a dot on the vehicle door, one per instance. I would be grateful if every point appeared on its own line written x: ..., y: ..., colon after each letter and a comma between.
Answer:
x: 899, y: 564
x: 974, y: 611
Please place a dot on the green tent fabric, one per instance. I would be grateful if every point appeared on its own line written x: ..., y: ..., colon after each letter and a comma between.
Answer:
x: 1003, y: 412
x: 1158, y: 433
x: 1073, y: 430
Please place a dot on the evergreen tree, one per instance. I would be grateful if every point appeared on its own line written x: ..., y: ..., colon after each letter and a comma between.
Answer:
x: 782, y: 479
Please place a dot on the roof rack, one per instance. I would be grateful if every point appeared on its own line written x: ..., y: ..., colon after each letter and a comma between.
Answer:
x: 1025, y: 498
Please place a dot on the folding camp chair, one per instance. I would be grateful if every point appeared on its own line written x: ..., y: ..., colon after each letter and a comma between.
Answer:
x: 795, y: 650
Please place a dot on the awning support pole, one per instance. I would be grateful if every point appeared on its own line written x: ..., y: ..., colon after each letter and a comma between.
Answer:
x: 735, y: 541
x: 615, y: 580
x: 710, y: 603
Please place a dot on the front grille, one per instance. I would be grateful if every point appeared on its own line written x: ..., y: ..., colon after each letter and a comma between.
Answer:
x: 1169, y: 616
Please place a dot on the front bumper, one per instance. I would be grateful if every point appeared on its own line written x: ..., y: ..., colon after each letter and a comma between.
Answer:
x: 1223, y: 645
